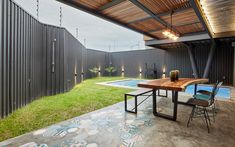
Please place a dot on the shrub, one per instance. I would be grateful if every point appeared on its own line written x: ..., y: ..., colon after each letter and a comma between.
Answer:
x: 110, y: 70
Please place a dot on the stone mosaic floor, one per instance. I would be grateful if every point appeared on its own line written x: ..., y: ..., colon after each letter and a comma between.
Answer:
x: 113, y: 127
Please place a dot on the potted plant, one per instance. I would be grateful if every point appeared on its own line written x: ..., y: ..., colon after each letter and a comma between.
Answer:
x: 110, y: 70
x: 94, y: 71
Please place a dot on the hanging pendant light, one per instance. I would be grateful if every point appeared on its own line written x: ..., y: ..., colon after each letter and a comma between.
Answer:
x: 169, y: 33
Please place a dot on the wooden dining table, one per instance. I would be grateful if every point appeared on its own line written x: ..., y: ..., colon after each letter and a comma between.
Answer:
x: 175, y: 87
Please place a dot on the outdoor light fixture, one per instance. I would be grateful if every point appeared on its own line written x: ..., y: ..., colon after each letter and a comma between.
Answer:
x: 122, y: 74
x: 99, y: 69
x: 140, y: 72
x: 169, y: 33
x: 122, y: 68
x: 164, y: 72
x: 209, y: 15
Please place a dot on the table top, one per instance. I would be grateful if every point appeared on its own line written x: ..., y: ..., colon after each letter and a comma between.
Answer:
x: 166, y: 83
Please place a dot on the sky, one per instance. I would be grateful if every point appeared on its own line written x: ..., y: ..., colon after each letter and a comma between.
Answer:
x: 93, y: 32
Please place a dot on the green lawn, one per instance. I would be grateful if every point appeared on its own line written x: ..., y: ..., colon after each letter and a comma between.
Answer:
x: 84, y: 98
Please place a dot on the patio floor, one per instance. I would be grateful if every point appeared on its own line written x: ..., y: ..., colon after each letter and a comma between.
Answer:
x: 112, y: 127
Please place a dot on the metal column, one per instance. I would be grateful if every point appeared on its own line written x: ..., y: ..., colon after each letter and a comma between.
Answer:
x: 209, y: 60
x: 192, y: 60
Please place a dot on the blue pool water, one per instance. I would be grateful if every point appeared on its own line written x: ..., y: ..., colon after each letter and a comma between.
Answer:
x: 128, y: 83
x: 222, y: 93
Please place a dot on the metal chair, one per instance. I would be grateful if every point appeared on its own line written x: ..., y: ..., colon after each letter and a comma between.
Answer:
x: 205, y: 95
x: 200, y: 103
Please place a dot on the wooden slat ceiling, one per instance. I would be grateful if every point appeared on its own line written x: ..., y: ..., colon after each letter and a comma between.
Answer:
x: 129, y: 14
x: 193, y: 28
x: 125, y: 12
x: 92, y: 4
x: 220, y: 15
x: 148, y: 25
x: 160, y: 6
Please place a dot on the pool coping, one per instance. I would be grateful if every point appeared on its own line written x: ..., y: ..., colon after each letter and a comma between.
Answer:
x: 120, y: 86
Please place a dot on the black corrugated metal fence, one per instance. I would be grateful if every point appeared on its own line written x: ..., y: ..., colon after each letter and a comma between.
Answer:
x: 37, y: 59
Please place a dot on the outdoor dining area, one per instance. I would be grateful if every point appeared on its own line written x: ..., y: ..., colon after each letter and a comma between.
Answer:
x: 201, y: 100
x: 152, y: 125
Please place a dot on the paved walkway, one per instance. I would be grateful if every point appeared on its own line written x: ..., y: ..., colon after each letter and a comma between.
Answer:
x: 113, y: 127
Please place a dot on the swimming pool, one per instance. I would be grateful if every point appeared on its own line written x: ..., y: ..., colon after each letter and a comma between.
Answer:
x: 127, y: 83
x: 224, y: 92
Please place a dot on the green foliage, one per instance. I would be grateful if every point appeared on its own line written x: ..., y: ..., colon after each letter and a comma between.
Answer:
x: 83, y: 98
x: 94, y: 70
x: 110, y: 70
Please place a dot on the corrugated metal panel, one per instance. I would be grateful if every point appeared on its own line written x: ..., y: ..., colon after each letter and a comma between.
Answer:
x: 133, y: 61
x: 178, y: 58
x: 96, y: 59
x: 1, y: 54
x: 26, y: 58
x: 222, y: 66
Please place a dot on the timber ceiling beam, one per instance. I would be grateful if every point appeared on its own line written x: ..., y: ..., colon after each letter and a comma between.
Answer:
x: 161, y: 14
x: 154, y: 16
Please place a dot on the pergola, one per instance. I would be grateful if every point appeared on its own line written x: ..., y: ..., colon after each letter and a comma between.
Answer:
x: 208, y: 18
x: 191, y: 20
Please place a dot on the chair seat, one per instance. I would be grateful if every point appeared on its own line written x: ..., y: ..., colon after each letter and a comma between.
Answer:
x: 202, y: 97
x: 198, y: 102
x: 204, y: 92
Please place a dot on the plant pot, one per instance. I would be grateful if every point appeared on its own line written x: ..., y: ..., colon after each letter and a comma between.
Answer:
x: 177, y: 75
x: 174, y: 75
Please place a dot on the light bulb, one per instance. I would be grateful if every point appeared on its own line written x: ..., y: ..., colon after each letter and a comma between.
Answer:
x: 166, y: 33
x: 171, y: 35
x: 175, y: 37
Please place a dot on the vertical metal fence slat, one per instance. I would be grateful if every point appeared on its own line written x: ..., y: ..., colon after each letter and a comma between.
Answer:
x: 1, y: 57
x: 4, y: 57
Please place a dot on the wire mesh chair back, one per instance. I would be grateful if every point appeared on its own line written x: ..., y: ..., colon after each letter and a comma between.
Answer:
x: 215, y: 91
